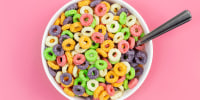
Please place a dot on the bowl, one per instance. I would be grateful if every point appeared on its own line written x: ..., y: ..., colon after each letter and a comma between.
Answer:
x: 148, y: 49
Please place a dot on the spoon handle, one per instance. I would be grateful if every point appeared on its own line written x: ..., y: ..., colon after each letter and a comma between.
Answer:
x: 178, y: 20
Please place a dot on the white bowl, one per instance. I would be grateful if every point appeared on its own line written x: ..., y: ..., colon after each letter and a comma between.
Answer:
x: 148, y: 49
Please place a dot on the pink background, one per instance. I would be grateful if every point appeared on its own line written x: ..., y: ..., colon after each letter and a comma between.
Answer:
x: 175, y: 72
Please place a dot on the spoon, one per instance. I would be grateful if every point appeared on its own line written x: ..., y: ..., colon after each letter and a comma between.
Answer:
x: 178, y: 20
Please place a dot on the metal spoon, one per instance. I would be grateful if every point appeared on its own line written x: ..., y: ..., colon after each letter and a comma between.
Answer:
x: 178, y: 20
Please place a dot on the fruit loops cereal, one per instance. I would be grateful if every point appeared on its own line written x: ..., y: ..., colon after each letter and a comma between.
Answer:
x: 90, y: 50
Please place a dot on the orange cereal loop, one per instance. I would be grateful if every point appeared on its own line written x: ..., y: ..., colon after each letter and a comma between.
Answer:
x: 111, y: 35
x: 107, y: 45
x: 53, y: 65
x: 102, y: 52
x: 67, y: 86
x: 85, y: 95
x: 76, y: 27
x: 79, y: 10
x: 107, y: 5
x: 69, y: 92
x: 97, y: 92
x: 70, y: 69
x: 83, y: 3
x: 124, y: 26
x: 57, y: 22
x: 140, y: 65
x: 69, y: 57
x: 117, y: 84
x: 66, y: 27
x: 100, y: 27
x: 111, y: 77
x: 116, y: 18
x: 62, y: 18
x: 68, y: 44
x: 104, y: 96
x: 85, y: 42
x: 120, y: 69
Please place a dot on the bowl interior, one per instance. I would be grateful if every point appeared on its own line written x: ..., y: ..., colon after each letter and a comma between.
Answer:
x: 148, y: 49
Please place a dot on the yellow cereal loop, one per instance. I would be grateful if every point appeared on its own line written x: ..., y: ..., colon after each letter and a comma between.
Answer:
x: 62, y: 18
x: 109, y: 79
x: 104, y: 95
x: 102, y: 52
x: 116, y: 18
x: 67, y: 86
x: 98, y: 91
x: 76, y: 27
x: 107, y: 5
x: 69, y: 92
x: 70, y: 69
x: 120, y: 69
x: 66, y: 27
x: 57, y: 22
x: 69, y: 57
x: 117, y: 84
x: 83, y: 3
x: 111, y: 35
x: 102, y: 28
x: 68, y: 44
x: 85, y: 95
x: 85, y: 42
x: 53, y: 65
x: 107, y: 45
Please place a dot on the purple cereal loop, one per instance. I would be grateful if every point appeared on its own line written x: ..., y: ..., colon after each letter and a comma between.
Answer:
x: 62, y: 78
x: 133, y: 64
x: 93, y: 73
x: 52, y: 72
x: 62, y: 38
x: 94, y: 3
x: 141, y: 57
x: 78, y: 90
x: 58, y: 50
x: 68, y: 20
x: 72, y: 7
x: 138, y: 71
x: 128, y: 56
x: 89, y: 98
x: 55, y: 30
x: 84, y: 65
x: 106, y: 36
x: 122, y: 10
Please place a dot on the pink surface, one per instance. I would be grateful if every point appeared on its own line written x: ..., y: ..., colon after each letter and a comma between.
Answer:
x: 175, y: 73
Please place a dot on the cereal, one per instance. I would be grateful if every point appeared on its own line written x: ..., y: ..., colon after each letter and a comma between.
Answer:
x: 90, y: 50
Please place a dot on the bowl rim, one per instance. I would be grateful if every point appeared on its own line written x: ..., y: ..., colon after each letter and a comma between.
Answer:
x: 55, y: 16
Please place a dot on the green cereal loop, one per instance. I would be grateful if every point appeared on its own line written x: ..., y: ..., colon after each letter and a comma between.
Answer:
x: 114, y: 62
x: 122, y: 18
x: 101, y: 64
x: 49, y: 54
x: 79, y: 80
x: 136, y: 39
x: 126, y: 32
x: 88, y: 91
x: 70, y: 13
x: 101, y: 79
x: 94, y: 46
x: 125, y: 84
x: 76, y: 18
x: 91, y: 55
x: 131, y: 74
x: 67, y: 32
x: 83, y: 75
x: 93, y: 23
x: 142, y: 35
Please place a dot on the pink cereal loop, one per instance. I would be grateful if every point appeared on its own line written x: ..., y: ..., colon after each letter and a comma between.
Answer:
x: 141, y: 47
x: 123, y: 46
x: 79, y: 59
x: 121, y: 79
x: 131, y: 42
x: 109, y: 64
x: 110, y: 90
x: 84, y: 17
x: 133, y: 83
x: 103, y: 84
x: 63, y: 62
x: 95, y: 99
x: 136, y: 30
x: 100, y: 9
x: 97, y: 37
